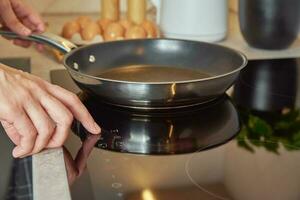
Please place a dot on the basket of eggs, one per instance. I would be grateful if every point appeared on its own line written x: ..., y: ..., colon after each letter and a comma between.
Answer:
x: 85, y: 30
x: 111, y: 27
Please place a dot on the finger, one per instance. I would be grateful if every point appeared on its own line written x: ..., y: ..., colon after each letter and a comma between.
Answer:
x: 37, y: 21
x: 61, y: 116
x: 28, y: 24
x: 12, y: 132
x: 76, y: 107
x: 7, y: 38
x: 22, y: 43
x: 10, y: 19
x: 42, y: 122
x: 39, y: 47
x: 27, y: 133
x: 25, y: 12
x: 18, y: 42
x: 5, y: 29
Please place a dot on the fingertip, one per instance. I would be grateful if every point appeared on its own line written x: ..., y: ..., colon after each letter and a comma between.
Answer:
x: 91, y: 126
x: 20, y: 29
x: 17, y: 152
x: 41, y: 27
x: 22, y: 43
x: 96, y: 129
x: 16, y: 42
x: 24, y: 31
x: 40, y: 47
x: 96, y: 133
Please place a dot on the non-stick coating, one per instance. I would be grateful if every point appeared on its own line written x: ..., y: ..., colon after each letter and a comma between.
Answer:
x: 86, y: 64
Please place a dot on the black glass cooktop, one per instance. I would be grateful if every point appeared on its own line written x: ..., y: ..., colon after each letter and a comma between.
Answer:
x: 171, y: 132
x: 191, y: 154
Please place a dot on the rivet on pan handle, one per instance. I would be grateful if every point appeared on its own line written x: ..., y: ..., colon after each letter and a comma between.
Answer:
x: 75, y: 66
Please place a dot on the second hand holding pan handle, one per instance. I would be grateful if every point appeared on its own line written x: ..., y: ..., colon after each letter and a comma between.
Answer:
x: 46, y: 38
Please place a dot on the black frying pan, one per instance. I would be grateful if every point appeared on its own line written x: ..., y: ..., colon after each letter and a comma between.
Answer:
x: 149, y: 73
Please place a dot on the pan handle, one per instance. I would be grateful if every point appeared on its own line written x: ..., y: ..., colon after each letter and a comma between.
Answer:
x: 47, y: 38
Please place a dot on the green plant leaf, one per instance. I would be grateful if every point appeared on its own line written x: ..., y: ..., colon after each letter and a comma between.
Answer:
x: 241, y: 139
x: 259, y: 126
x: 272, y: 146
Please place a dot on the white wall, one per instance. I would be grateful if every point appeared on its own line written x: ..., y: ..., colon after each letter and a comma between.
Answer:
x: 80, y: 6
x: 69, y: 6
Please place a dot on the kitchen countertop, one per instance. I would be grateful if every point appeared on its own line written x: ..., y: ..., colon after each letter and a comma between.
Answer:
x: 49, y: 175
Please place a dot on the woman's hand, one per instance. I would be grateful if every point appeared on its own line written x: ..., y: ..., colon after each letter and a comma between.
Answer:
x: 21, y: 19
x: 36, y: 114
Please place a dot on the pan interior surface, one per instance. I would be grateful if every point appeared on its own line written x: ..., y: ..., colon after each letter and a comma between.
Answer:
x: 152, y: 73
x: 154, y: 60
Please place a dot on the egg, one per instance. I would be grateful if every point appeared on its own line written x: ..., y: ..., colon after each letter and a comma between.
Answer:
x: 135, y: 32
x: 120, y: 38
x: 90, y: 31
x: 70, y: 28
x: 126, y: 23
x: 79, y: 41
x: 103, y: 23
x: 76, y: 38
x: 83, y: 21
x: 150, y: 28
x: 113, y: 31
x: 58, y: 54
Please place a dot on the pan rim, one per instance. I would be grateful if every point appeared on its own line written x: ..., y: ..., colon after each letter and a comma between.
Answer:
x: 239, y: 53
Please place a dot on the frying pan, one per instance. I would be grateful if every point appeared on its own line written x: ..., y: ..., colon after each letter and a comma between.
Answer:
x: 148, y: 73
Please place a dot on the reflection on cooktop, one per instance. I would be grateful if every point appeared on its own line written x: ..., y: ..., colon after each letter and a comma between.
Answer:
x: 248, y: 175
x: 170, y: 132
x: 268, y: 85
x: 266, y: 97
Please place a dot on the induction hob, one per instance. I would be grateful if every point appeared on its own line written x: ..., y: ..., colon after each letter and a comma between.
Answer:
x: 130, y: 162
x: 168, y: 132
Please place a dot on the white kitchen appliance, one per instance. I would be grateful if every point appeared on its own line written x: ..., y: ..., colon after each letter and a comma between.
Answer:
x: 202, y: 20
